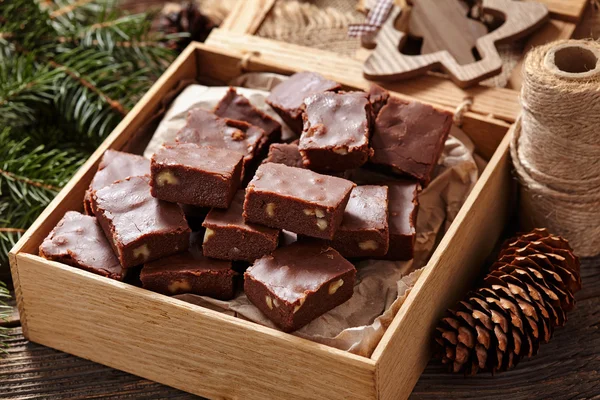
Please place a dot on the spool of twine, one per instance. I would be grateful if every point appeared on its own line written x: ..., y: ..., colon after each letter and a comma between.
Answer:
x: 556, y: 146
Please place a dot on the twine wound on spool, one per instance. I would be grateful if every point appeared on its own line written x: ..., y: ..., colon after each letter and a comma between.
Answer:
x: 556, y: 145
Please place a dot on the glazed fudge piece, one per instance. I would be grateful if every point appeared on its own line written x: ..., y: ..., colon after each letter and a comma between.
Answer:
x: 403, y: 207
x: 298, y: 283
x: 299, y: 200
x: 206, y: 129
x: 409, y: 138
x: 336, y: 131
x: 287, y: 98
x: 378, y: 98
x: 237, y: 107
x: 140, y: 227
x: 286, y: 154
x: 190, y: 272
x: 364, y: 231
x: 114, y: 166
x: 228, y: 237
x: 196, y: 175
x: 78, y: 241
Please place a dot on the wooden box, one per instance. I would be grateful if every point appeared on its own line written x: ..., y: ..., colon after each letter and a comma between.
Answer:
x: 218, y: 356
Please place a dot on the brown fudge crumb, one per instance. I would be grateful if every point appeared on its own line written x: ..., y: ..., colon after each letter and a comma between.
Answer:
x: 286, y: 154
x: 190, y: 272
x: 196, y: 175
x: 336, y: 131
x: 298, y: 283
x: 378, y: 98
x: 409, y: 138
x: 140, y: 227
x: 114, y: 166
x: 237, y: 107
x: 228, y: 237
x: 78, y: 241
x: 287, y: 98
x: 298, y: 200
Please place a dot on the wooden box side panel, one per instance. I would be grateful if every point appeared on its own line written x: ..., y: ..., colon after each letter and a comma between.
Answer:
x: 404, y: 351
x: 178, y: 344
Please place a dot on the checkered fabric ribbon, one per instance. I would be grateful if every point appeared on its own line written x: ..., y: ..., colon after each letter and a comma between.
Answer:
x: 377, y: 16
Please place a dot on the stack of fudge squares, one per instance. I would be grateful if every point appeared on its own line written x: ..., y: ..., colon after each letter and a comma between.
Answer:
x: 290, y: 215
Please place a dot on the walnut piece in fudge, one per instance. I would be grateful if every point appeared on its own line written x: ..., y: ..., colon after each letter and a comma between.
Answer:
x: 364, y: 231
x: 200, y: 176
x: 298, y: 283
x: 286, y: 154
x: 190, y: 272
x: 409, y: 138
x: 228, y: 237
x: 287, y: 98
x: 336, y: 131
x: 206, y: 129
x: 298, y: 200
x: 140, y: 227
x: 114, y: 166
x: 237, y: 107
x: 78, y: 241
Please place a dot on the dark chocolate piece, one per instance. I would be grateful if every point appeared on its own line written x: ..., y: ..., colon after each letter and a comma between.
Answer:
x: 190, y: 272
x: 296, y: 199
x: 364, y: 230
x: 237, y: 107
x: 298, y: 283
x: 286, y: 154
x: 78, y: 240
x: 378, y: 98
x: 114, y: 166
x: 206, y: 129
x: 196, y: 175
x: 409, y: 138
x: 403, y: 207
x: 228, y: 237
x: 336, y: 131
x: 140, y: 227
x: 287, y: 98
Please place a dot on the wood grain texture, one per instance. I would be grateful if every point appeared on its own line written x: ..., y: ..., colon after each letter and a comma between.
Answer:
x: 568, y: 10
x: 553, y: 30
x: 177, y: 343
x: 247, y: 16
x: 388, y: 63
x: 448, y: 275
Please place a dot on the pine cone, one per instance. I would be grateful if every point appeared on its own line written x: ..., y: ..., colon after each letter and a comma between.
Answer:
x: 525, y: 295
x: 185, y: 18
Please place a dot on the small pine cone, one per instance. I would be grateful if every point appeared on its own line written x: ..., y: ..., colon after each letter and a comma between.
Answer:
x: 525, y: 295
x: 184, y: 18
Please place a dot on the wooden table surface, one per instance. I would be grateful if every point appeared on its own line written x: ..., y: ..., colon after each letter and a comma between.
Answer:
x: 566, y: 368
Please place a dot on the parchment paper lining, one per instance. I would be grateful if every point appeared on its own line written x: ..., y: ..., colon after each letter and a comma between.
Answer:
x: 382, y: 286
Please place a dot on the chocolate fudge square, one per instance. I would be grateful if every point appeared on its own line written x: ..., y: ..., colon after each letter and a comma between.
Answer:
x: 286, y: 154
x: 298, y: 283
x: 378, y: 98
x: 206, y: 129
x: 403, y: 208
x: 298, y: 200
x: 228, y: 237
x: 196, y: 175
x: 140, y: 227
x: 409, y: 138
x: 336, y: 131
x: 364, y: 231
x: 190, y: 272
x: 237, y: 107
x: 114, y: 166
x: 287, y: 98
x: 78, y: 241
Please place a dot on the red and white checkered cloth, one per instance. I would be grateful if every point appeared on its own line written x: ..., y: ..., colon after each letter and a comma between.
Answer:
x: 377, y: 16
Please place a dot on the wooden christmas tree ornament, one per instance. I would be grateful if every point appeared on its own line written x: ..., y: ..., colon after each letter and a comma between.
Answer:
x: 449, y: 37
x: 524, y: 297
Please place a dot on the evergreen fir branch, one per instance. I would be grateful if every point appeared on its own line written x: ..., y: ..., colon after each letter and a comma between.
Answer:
x: 5, y: 312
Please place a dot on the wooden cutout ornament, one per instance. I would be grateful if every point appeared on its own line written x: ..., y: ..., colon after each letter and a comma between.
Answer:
x: 386, y: 62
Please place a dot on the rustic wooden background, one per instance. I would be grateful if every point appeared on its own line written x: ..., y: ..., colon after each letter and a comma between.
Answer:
x: 566, y: 368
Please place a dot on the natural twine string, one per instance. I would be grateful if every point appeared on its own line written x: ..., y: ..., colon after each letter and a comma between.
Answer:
x: 556, y: 146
